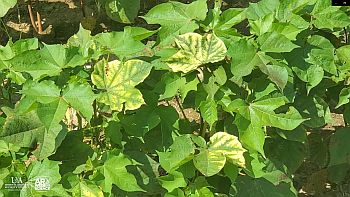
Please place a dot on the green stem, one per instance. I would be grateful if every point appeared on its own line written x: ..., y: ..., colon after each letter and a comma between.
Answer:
x: 80, y: 121
x: 346, y: 35
x: 5, y: 29
x: 181, y: 108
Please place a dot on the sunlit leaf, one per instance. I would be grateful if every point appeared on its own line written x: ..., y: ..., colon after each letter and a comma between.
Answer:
x: 196, y: 50
x: 118, y: 81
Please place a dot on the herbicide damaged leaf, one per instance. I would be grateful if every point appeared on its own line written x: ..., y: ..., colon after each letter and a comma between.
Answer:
x: 196, y: 50
x: 222, y: 147
x: 118, y: 81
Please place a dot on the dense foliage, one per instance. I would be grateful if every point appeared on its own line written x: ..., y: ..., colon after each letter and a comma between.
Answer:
x: 197, y: 107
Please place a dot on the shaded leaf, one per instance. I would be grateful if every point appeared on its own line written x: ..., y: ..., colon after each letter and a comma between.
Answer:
x: 172, y: 181
x: 339, y: 154
x: 123, y: 11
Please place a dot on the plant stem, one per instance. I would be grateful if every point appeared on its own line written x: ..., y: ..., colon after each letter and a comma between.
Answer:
x: 94, y: 105
x: 181, y: 108
x: 40, y: 27
x: 82, y: 5
x: 31, y: 15
x: 5, y: 29
x: 80, y: 121
x: 346, y: 35
x: 19, y: 20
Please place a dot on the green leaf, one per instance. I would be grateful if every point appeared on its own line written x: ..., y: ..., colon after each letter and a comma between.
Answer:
x: 44, y: 92
x: 11, y: 49
x: 277, y: 74
x: 191, y: 84
x: 209, y: 111
x: 51, y: 114
x: 262, y: 113
x: 172, y: 181
x: 252, y: 136
x: 289, y: 121
x: 26, y: 130
x: 115, y: 172
x: 23, y: 130
x: 275, y: 42
x: 172, y: 82
x: 8, y: 147
x: 263, y: 25
x: 196, y: 50
x: 343, y: 54
x: 276, y: 149
x: 47, y: 173
x: 123, y: 11
x: 229, y: 18
x: 344, y: 97
x: 289, y: 30
x: 181, y: 151
x: 315, y: 109
x: 176, y: 193
x: 141, y: 122
x: 220, y: 75
x: 262, y: 188
x: 286, y: 9
x: 31, y: 62
x: 118, y: 80
x: 339, y: 154
x: 48, y: 61
x: 177, y: 18
x: 256, y: 11
x: 138, y: 33
x: 80, y: 97
x: 313, y: 76
x: 323, y: 54
x: 50, y: 141
x: 329, y: 17
x: 120, y: 43
x: 85, y: 42
x: 243, y: 55
x: 62, y: 56
x: 72, y: 152
x: 6, y: 5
